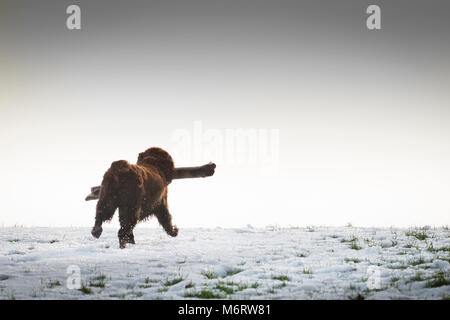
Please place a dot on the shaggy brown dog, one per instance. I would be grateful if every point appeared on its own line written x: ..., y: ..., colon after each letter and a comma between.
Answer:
x: 139, y: 191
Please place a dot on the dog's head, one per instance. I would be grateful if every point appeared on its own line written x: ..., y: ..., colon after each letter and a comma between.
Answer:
x: 159, y: 158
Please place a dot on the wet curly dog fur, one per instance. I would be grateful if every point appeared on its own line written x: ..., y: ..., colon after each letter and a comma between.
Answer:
x: 138, y: 191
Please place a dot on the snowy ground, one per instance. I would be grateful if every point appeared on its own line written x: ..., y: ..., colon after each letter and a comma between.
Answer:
x: 246, y: 263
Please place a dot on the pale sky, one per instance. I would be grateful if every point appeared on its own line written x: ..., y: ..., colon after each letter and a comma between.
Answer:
x: 362, y: 117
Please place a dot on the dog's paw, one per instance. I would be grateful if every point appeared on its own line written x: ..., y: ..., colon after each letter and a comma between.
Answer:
x: 173, y: 232
x: 96, y: 231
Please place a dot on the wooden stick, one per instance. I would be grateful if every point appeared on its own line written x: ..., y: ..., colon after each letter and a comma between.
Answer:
x: 206, y: 170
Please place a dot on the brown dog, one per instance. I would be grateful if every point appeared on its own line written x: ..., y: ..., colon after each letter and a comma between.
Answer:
x: 140, y: 191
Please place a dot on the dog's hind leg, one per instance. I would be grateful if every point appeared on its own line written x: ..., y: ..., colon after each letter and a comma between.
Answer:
x: 131, y: 237
x: 128, y: 217
x: 165, y: 219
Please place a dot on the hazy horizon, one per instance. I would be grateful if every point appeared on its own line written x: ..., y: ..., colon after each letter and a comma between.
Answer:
x: 359, y: 119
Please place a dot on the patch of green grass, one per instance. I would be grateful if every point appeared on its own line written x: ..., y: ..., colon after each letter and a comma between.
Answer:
x: 239, y: 286
x: 445, y: 297
x: 377, y: 263
x: 243, y: 286
x: 52, y: 283
x: 353, y: 239
x: 209, y: 274
x: 189, y: 285
x: 223, y: 287
x: 171, y: 282
x: 447, y: 258
x: 232, y: 272
x: 97, y: 283
x: 11, y: 295
x: 281, y: 278
x: 281, y: 285
x: 147, y: 283
x: 354, y: 260
x: 271, y: 290
x: 417, y: 277
x: 417, y: 261
x: 307, y: 271
x: 301, y: 255
x: 354, y: 245
x: 393, y: 244
x: 417, y: 233
x: 100, y: 277
x: 14, y: 240
x: 359, y: 296
x: 394, y: 280
x: 37, y: 293
x: 147, y: 280
x: 439, y: 279
x: 163, y: 289
x: 397, y: 267
x: 85, y: 289
x: 432, y: 249
x: 203, y: 294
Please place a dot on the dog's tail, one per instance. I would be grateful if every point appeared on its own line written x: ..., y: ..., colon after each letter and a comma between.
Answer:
x: 94, y: 195
x: 110, y: 176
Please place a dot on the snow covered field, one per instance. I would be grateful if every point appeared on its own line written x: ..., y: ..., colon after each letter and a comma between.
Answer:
x: 246, y: 263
